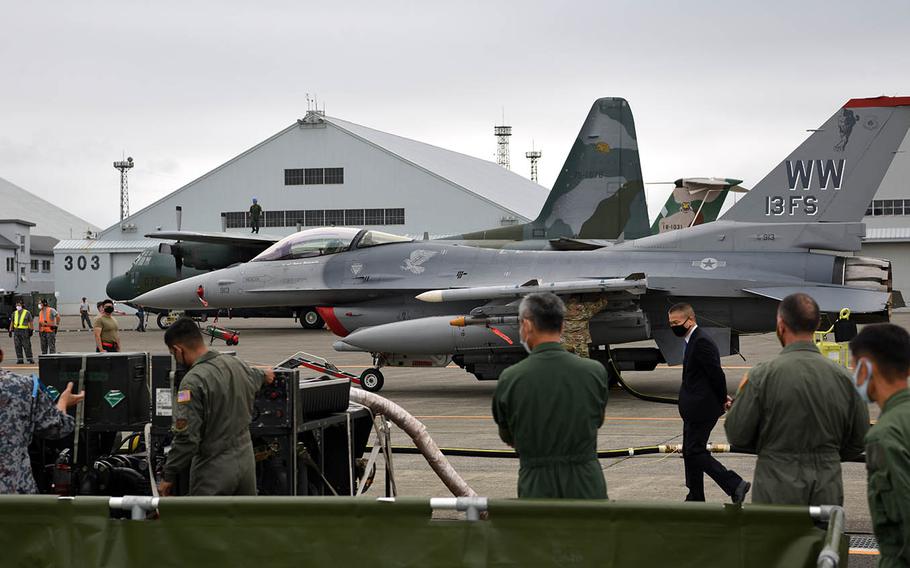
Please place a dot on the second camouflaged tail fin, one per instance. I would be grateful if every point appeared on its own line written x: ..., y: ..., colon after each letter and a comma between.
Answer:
x: 834, y: 174
x: 694, y: 201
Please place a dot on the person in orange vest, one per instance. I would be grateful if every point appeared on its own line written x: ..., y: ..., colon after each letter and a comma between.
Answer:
x: 48, y: 322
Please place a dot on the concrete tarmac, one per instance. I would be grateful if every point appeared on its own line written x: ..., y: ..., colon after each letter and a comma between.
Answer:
x: 456, y: 410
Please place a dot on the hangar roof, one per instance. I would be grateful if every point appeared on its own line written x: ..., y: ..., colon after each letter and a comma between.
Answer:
x: 485, y: 179
x: 43, y: 245
x: 481, y: 177
x: 104, y: 245
x: 49, y: 219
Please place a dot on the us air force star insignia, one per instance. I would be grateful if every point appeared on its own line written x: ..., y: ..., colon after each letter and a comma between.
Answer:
x: 414, y: 263
x: 356, y: 267
x: 709, y: 263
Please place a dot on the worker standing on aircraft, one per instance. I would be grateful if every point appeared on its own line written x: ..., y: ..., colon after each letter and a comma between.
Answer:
x: 702, y: 396
x: 212, y: 416
x: 800, y: 413
x: 549, y: 407
x: 255, y: 215
x: 881, y: 354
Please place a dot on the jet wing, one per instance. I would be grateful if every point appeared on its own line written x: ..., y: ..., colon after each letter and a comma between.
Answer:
x: 257, y: 241
x: 832, y: 299
x: 633, y: 284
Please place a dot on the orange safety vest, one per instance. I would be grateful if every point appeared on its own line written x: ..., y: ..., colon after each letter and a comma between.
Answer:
x: 45, y: 323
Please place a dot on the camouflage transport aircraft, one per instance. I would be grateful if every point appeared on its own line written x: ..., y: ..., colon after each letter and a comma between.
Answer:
x: 796, y: 230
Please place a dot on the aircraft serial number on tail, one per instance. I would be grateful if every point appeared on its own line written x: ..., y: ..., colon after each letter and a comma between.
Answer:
x: 790, y: 205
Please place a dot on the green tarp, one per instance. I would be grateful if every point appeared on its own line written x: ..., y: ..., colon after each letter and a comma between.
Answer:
x: 260, y: 532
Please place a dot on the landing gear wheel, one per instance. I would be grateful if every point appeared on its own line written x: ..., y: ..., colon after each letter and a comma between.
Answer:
x: 161, y: 320
x: 310, y: 319
x: 371, y: 380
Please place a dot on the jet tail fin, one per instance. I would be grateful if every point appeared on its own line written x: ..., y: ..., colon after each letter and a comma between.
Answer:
x: 834, y: 174
x: 599, y: 193
x: 694, y: 201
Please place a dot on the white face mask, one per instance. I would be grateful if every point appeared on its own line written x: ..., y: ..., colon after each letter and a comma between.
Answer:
x: 18, y: 308
x: 521, y: 339
x: 40, y: 306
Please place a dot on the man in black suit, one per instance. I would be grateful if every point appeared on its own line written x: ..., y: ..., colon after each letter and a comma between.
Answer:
x: 702, y: 397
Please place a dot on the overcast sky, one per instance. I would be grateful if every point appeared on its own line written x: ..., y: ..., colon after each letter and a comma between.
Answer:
x: 717, y: 88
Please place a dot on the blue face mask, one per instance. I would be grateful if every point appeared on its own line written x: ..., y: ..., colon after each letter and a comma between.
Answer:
x: 863, y: 389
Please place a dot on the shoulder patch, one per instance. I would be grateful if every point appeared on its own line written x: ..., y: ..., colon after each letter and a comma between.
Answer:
x: 184, y: 396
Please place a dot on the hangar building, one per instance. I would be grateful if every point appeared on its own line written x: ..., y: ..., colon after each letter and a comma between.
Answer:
x: 318, y: 171
x: 326, y: 171
x: 888, y: 220
x: 30, y: 229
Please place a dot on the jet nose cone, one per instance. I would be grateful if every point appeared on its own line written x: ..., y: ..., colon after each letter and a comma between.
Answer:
x: 179, y: 295
x: 120, y: 288
x: 344, y: 346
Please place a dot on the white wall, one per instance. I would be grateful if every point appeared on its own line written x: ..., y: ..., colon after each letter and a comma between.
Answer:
x: 372, y: 179
x: 14, y: 232
x: 899, y: 255
x: 41, y: 281
x: 7, y: 279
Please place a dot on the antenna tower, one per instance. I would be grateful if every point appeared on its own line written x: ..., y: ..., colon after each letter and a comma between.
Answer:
x: 124, y: 167
x: 503, y: 156
x: 534, y: 156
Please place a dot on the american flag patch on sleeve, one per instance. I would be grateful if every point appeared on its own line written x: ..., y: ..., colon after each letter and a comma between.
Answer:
x: 184, y: 396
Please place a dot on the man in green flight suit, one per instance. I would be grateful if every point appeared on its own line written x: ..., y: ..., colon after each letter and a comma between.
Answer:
x: 212, y: 415
x: 549, y: 407
x: 881, y: 354
x: 801, y: 414
x: 255, y: 215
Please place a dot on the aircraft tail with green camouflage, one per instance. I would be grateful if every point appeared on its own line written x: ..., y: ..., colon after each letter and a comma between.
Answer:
x: 599, y: 193
x: 694, y: 201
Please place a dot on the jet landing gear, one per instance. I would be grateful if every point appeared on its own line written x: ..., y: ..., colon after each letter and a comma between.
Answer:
x: 371, y: 380
x: 310, y: 319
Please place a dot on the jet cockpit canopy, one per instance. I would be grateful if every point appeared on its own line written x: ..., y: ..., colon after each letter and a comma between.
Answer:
x: 324, y: 241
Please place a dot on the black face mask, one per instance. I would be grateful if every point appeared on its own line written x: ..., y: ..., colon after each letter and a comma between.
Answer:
x: 680, y: 330
x: 108, y: 309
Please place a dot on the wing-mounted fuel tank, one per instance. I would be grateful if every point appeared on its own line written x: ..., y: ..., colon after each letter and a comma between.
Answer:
x: 620, y: 323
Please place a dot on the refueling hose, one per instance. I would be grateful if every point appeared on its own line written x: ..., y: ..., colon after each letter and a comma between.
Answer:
x: 422, y: 440
x: 602, y: 454
x: 635, y: 393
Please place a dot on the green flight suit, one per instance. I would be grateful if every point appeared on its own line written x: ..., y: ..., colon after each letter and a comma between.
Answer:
x: 802, y: 415
x: 549, y: 406
x: 888, y: 464
x: 212, y: 413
